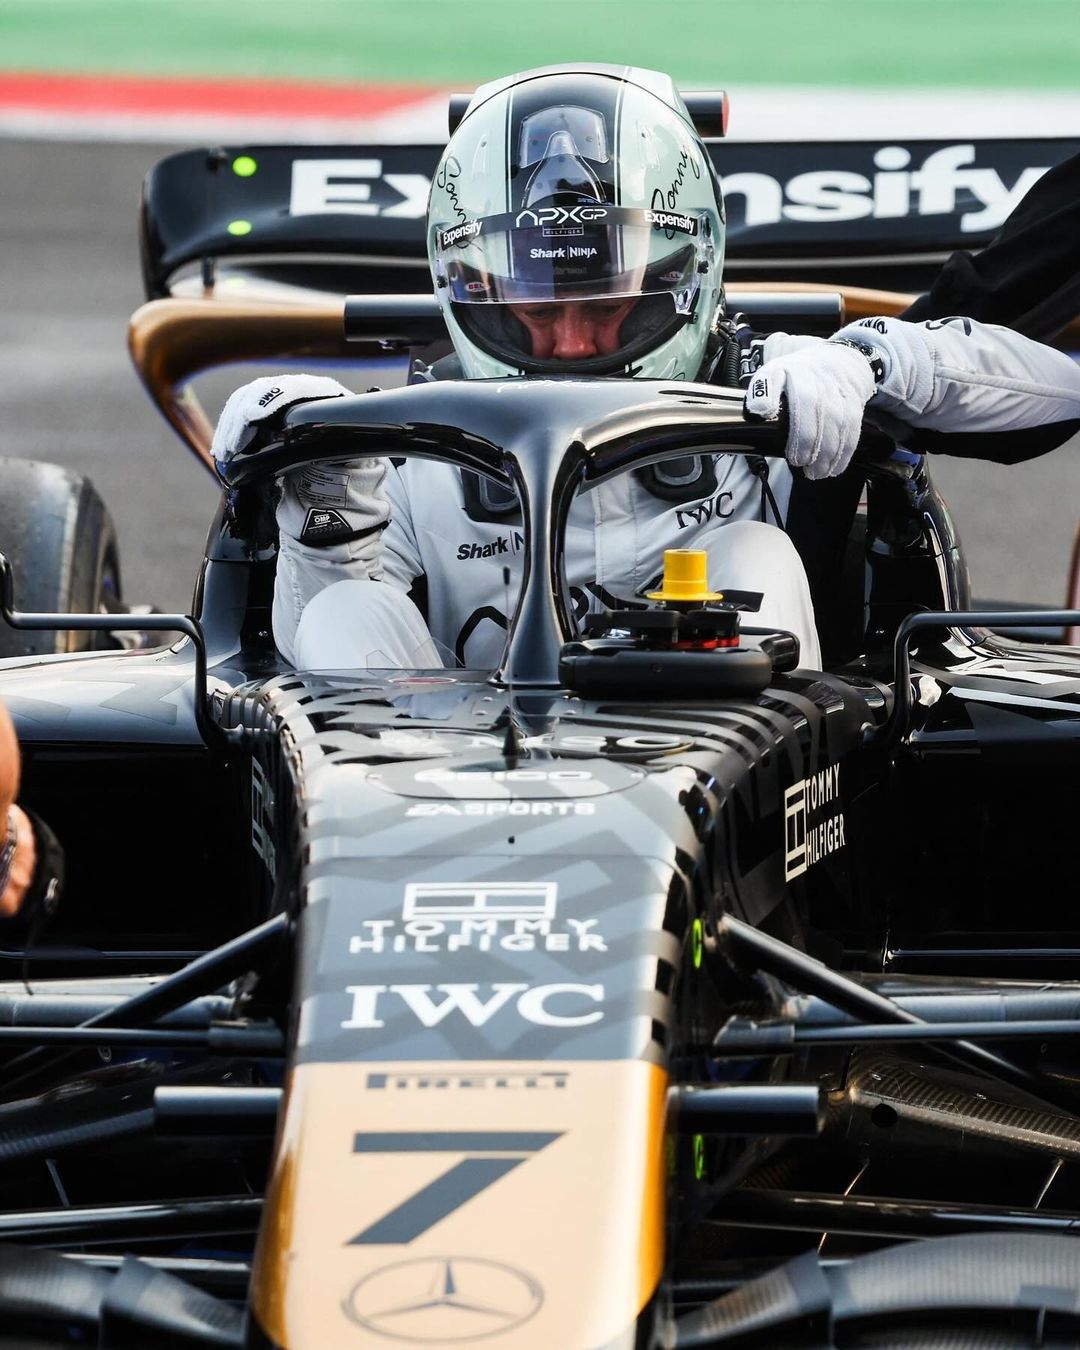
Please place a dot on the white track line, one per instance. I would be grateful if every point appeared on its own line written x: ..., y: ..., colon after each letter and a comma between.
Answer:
x: 416, y: 124
x: 759, y: 113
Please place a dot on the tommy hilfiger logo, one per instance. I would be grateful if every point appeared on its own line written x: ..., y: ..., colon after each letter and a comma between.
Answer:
x: 813, y: 821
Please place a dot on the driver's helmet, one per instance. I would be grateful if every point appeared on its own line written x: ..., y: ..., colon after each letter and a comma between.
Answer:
x: 585, y: 185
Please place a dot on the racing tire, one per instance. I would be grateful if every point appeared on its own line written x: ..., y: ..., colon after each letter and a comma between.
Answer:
x: 59, y: 538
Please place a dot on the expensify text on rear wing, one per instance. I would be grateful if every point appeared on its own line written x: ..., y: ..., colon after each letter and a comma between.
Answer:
x: 878, y: 208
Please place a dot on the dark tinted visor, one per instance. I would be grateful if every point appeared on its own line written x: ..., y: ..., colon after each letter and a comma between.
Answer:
x: 571, y: 253
x: 584, y: 126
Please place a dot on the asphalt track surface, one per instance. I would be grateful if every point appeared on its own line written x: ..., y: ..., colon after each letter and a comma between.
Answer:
x: 69, y: 280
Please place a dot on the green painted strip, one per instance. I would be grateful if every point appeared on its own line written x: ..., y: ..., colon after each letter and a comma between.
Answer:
x: 878, y: 43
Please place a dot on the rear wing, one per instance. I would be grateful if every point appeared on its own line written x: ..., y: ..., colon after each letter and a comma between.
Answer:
x: 249, y: 251
x: 347, y: 218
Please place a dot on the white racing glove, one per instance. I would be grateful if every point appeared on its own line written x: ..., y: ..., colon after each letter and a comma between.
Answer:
x: 827, y: 385
x: 322, y: 505
x: 250, y: 406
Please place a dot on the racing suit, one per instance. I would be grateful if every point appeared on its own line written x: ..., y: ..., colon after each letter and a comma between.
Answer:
x: 330, y: 610
x: 362, y: 539
x: 1027, y: 278
x: 948, y: 386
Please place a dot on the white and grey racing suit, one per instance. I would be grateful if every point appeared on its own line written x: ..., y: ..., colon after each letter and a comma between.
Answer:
x: 345, y: 604
x: 359, y: 538
x: 948, y: 386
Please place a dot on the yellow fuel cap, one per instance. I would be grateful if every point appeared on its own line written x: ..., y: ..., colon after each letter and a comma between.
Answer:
x: 685, y: 578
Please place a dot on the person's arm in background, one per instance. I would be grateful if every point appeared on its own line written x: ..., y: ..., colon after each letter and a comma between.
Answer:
x: 31, y: 859
x: 18, y: 848
x: 1028, y: 277
x: 951, y: 386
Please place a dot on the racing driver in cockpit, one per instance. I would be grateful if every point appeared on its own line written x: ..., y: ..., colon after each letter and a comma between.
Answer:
x: 575, y: 226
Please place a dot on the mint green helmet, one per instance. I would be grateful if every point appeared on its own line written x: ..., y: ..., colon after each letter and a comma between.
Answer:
x: 585, y: 186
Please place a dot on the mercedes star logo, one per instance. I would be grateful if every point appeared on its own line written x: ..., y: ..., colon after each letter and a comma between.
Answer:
x: 444, y: 1299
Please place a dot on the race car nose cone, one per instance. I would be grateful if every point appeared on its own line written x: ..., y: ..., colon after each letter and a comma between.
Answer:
x: 685, y: 580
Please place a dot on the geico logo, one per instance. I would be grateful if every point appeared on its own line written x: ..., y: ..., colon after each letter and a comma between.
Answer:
x: 544, y: 1005
x: 344, y: 187
x: 503, y: 775
x: 944, y: 179
x: 560, y: 215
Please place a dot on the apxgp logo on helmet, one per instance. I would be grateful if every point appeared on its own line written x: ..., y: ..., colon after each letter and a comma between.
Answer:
x: 460, y: 234
x: 560, y: 215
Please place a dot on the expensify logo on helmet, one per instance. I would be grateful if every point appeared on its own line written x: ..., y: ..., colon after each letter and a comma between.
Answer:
x: 671, y: 220
x: 459, y: 234
x: 945, y: 182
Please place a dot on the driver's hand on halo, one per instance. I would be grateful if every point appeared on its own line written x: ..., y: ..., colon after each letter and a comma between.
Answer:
x: 335, y: 503
x: 826, y: 387
x: 253, y: 405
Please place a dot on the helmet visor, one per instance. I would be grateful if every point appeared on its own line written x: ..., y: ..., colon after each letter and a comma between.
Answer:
x: 495, y: 267
x: 571, y: 253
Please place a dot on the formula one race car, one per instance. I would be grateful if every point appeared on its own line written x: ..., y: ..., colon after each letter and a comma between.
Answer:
x: 649, y: 991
